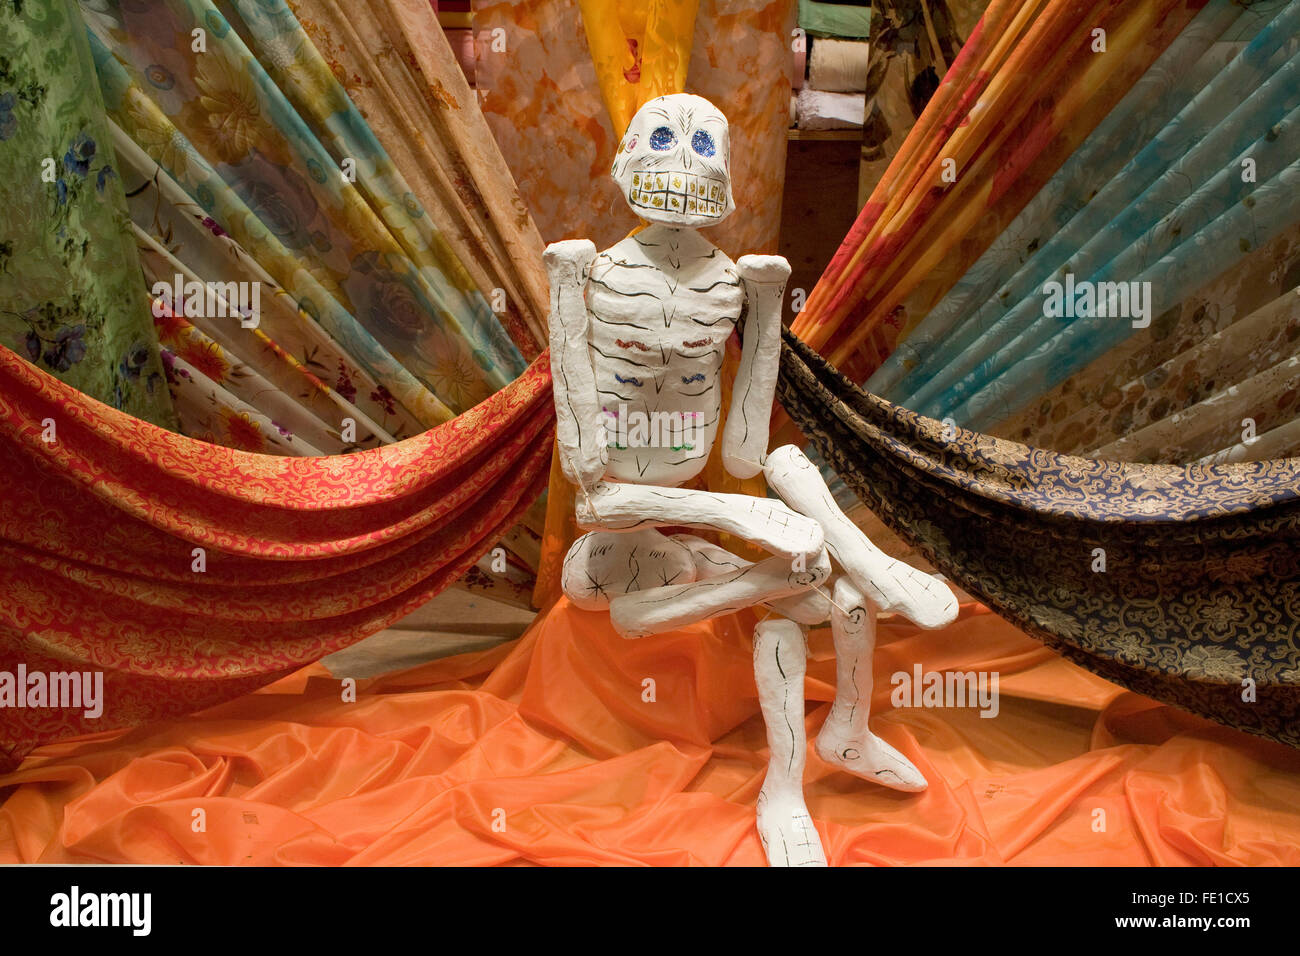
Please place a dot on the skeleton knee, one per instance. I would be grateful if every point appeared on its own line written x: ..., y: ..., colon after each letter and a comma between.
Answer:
x: 786, y: 460
x: 811, y: 573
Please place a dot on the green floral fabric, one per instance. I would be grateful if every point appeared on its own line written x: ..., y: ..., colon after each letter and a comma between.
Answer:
x: 71, y: 296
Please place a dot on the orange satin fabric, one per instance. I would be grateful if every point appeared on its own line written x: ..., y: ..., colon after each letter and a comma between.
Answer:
x: 543, y: 751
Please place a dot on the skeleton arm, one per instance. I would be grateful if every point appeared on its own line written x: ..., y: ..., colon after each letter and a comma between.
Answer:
x: 745, y: 436
x: 579, y: 428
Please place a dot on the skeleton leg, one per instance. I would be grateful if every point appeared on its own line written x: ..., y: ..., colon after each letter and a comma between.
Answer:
x: 664, y: 608
x: 784, y: 825
x: 614, y: 506
x: 890, y: 584
x: 810, y: 607
x: 603, y: 565
x: 845, y: 740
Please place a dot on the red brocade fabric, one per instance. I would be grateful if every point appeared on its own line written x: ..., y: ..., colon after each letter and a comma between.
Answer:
x: 100, y: 529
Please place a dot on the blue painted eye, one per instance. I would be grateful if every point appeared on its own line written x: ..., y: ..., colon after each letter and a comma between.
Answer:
x: 662, y: 138
x: 703, y: 143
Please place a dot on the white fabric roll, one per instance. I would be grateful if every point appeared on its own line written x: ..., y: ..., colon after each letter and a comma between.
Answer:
x: 818, y: 109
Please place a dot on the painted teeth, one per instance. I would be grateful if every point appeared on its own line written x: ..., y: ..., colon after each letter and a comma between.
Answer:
x: 679, y: 192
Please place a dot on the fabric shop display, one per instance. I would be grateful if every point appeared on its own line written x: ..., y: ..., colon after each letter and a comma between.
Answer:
x: 1182, y: 584
x: 189, y: 574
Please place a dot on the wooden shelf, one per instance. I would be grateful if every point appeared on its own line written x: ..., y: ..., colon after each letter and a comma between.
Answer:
x: 834, y: 135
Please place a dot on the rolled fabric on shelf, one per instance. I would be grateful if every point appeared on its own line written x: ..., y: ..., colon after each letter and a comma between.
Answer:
x: 838, y: 66
x: 818, y: 109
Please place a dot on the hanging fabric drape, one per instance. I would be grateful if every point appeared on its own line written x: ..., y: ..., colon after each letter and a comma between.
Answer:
x: 417, y: 100
x: 189, y: 574
x: 240, y: 110
x: 230, y: 159
x: 1220, y: 171
x: 1027, y: 88
x: 1179, y: 583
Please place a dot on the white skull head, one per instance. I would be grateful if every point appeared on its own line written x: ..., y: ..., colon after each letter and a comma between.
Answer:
x: 674, y: 164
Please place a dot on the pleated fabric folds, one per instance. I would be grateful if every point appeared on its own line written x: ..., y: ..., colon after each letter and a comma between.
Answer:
x: 190, y: 574
x: 1180, y: 583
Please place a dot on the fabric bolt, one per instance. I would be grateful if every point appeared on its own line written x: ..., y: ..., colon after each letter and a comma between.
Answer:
x: 272, y: 242
x: 456, y: 306
x: 222, y: 363
x: 1179, y: 583
x: 190, y: 574
x: 176, y: 235
x: 1186, y: 197
x: 1133, y: 384
x: 213, y: 413
x: 196, y: 352
x: 625, y: 35
x: 1264, y: 400
x: 988, y: 127
x: 838, y: 20
x: 1190, y: 62
x: 441, y: 341
x: 543, y: 752
x: 70, y: 296
x: 393, y: 64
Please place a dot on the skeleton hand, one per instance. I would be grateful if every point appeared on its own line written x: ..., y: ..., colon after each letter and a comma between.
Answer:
x: 569, y: 261
x: 764, y: 270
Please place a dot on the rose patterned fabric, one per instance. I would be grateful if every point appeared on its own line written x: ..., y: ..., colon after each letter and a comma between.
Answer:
x: 70, y: 295
x: 190, y: 574
x: 1180, y: 583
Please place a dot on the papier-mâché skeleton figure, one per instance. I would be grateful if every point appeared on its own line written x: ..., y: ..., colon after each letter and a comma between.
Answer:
x: 637, y: 343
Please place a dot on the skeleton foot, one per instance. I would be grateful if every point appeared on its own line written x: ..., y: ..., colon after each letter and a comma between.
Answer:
x: 786, y: 829
x: 867, y: 756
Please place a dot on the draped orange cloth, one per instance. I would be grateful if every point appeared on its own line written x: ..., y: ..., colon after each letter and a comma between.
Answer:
x: 190, y: 574
x: 547, y: 751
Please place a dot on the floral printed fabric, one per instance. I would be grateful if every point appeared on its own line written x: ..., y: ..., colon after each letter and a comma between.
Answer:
x: 396, y: 64
x: 1181, y: 583
x: 246, y: 116
x: 1232, y: 329
x: 100, y: 533
x: 70, y: 295
x: 287, y: 364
